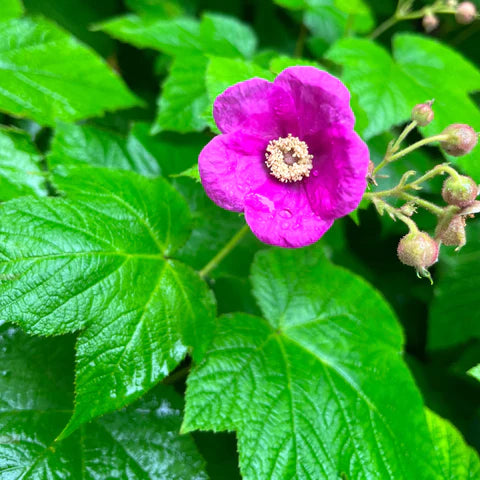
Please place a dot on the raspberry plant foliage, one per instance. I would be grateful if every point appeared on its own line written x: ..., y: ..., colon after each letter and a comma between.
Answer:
x: 146, y: 333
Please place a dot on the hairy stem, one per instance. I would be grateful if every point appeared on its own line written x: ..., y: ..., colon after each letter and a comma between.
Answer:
x: 420, y: 143
x: 426, y: 205
x: 392, y: 148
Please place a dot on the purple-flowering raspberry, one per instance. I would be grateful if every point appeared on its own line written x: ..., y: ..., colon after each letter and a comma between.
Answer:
x: 288, y: 156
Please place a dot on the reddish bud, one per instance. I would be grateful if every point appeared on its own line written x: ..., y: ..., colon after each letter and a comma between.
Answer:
x: 454, y: 235
x: 423, y: 113
x: 460, y: 191
x: 466, y: 13
x: 430, y: 22
x: 461, y: 139
x: 419, y: 250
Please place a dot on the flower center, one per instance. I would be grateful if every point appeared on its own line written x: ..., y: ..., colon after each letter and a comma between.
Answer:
x: 288, y: 159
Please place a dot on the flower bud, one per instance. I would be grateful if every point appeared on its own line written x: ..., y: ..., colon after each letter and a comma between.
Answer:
x: 430, y: 22
x: 461, y: 139
x: 460, y: 191
x: 454, y: 235
x: 466, y: 13
x: 419, y: 250
x: 423, y: 113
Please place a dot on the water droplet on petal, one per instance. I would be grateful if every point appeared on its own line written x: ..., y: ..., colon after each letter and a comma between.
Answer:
x: 285, y: 213
x: 315, y: 173
x: 285, y: 225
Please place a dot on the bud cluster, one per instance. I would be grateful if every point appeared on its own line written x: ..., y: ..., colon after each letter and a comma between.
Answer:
x: 418, y: 249
x: 465, y: 13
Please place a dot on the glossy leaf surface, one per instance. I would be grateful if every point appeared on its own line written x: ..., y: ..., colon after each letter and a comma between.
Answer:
x: 100, y: 261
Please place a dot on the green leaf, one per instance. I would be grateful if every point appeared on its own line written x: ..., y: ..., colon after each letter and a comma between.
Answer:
x: 178, y: 36
x: 454, y: 314
x: 293, y: 4
x: 385, y: 93
x: 173, y: 152
x: 11, y: 9
x: 214, y: 35
x: 20, y: 172
x: 141, y: 441
x: 308, y: 388
x: 47, y: 75
x: 158, y: 8
x: 74, y: 145
x: 475, y: 371
x: 359, y: 13
x: 456, y: 459
x: 227, y: 37
x: 185, y: 93
x: 184, y: 96
x: 77, y: 145
x: 77, y: 16
x: 388, y: 88
x: 223, y: 73
x: 101, y: 261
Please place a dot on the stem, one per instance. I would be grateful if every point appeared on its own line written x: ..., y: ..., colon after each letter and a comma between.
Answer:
x: 430, y: 207
x: 384, y: 26
x: 393, y: 212
x: 404, y: 134
x: 213, y: 263
x: 438, y: 170
x: 420, y: 143
x: 396, y: 145
x: 176, y: 376
x: 401, y: 15
x: 300, y: 41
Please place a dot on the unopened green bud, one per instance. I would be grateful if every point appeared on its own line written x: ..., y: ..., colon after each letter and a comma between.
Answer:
x: 460, y: 191
x: 461, y: 139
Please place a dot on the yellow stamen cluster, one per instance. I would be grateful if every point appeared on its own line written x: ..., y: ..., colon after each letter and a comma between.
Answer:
x: 288, y: 159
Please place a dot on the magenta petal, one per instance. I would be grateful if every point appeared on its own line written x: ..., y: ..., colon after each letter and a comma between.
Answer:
x: 337, y: 181
x: 257, y: 107
x: 280, y: 215
x: 231, y: 166
x: 320, y: 99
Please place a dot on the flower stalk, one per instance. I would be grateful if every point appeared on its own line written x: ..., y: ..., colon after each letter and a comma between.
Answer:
x: 440, y: 7
x: 232, y: 243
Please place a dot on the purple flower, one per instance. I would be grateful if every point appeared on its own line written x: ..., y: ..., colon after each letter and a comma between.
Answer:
x: 288, y: 155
